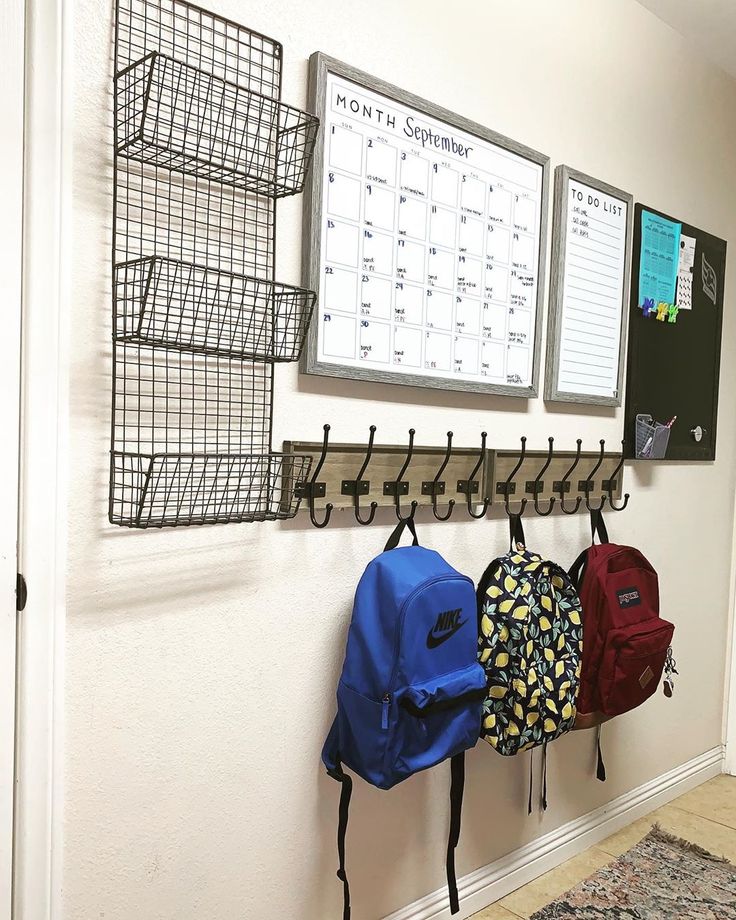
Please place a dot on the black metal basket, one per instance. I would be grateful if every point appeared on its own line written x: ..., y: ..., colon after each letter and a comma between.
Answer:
x: 171, y: 490
x: 177, y: 116
x: 203, y: 148
x: 196, y: 308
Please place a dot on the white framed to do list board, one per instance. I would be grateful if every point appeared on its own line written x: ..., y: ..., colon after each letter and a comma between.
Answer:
x: 589, y: 290
x: 425, y: 240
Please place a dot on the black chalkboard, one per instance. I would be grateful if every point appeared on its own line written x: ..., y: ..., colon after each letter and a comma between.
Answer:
x: 673, y: 368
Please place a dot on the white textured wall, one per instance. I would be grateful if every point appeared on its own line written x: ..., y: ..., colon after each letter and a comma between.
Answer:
x: 201, y: 663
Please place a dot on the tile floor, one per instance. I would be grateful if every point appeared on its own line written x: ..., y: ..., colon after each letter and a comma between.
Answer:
x: 706, y: 816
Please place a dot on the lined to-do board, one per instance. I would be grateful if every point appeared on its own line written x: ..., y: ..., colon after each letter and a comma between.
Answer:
x: 591, y: 257
x: 425, y: 239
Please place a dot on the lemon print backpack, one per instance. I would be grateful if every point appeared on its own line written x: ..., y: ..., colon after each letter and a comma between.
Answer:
x: 530, y: 640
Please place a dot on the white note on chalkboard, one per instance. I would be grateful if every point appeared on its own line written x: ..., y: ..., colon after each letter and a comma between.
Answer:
x: 593, y: 291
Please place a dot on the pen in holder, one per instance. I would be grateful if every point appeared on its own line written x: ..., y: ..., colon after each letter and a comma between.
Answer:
x: 652, y: 437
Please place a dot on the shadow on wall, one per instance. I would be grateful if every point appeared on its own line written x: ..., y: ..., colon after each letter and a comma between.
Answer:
x: 394, y: 394
x: 401, y: 833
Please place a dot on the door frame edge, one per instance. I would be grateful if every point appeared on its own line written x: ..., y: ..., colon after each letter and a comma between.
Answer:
x: 43, y: 480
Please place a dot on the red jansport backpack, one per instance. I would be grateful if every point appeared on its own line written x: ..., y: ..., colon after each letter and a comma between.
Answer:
x: 625, y: 641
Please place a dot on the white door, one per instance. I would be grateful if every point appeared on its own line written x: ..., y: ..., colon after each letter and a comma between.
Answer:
x: 11, y: 226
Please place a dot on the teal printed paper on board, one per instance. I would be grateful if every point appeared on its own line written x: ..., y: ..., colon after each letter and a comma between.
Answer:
x: 660, y: 253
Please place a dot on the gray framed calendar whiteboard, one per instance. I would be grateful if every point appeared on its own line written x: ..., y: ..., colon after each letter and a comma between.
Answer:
x: 425, y: 238
x: 589, y: 289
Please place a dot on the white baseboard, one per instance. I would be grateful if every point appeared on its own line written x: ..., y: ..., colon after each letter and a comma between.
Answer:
x: 489, y: 883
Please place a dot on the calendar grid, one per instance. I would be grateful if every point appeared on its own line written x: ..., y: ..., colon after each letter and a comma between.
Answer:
x: 429, y: 247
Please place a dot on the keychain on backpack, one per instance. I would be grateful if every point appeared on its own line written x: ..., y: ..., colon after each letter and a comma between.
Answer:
x: 670, y: 669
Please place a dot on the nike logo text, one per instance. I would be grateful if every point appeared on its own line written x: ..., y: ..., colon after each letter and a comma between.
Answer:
x: 448, y: 623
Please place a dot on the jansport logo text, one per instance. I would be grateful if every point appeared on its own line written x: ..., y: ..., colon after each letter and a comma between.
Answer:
x: 628, y: 597
x: 448, y: 623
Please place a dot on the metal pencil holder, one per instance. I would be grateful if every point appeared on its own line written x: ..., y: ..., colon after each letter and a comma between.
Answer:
x: 652, y: 438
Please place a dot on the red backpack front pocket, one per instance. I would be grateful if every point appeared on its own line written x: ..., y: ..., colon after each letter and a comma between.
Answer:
x: 633, y: 661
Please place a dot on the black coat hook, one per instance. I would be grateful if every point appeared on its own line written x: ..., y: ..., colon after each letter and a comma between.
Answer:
x: 587, y: 485
x: 611, y: 484
x: 399, y: 486
x: 470, y: 485
x: 563, y: 486
x: 436, y: 487
x: 360, y: 486
x: 536, y: 486
x: 313, y: 489
x: 507, y: 488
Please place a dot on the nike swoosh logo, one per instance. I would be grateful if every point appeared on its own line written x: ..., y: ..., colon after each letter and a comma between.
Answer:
x: 434, y: 641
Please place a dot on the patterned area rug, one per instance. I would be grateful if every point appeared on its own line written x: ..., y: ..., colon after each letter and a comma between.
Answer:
x: 661, y: 878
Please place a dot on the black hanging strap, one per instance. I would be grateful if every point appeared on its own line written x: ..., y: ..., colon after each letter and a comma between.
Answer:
x: 457, y: 786
x: 598, y: 525
x: 480, y: 591
x: 577, y: 569
x: 516, y: 530
x: 393, y: 540
x: 544, y: 776
x: 531, y: 780
x: 516, y: 534
x: 347, y: 790
x: 600, y: 770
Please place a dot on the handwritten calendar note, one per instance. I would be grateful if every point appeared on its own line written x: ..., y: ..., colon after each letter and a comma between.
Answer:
x: 429, y: 246
x: 590, y: 289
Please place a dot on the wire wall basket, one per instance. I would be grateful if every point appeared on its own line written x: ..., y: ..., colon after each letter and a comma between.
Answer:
x: 173, y: 489
x: 200, y: 309
x: 179, y: 117
x: 652, y: 438
x: 203, y: 149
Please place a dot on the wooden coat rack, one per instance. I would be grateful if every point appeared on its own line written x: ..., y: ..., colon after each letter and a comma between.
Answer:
x: 451, y: 479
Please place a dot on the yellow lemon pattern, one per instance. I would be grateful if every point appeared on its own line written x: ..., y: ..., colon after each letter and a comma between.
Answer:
x: 530, y: 645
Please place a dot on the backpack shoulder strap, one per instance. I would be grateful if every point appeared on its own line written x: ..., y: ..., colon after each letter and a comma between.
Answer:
x: 516, y: 534
x: 346, y: 792
x: 516, y: 530
x: 393, y: 540
x: 577, y: 569
x: 600, y: 769
x: 598, y: 526
x: 485, y: 580
x: 457, y: 787
x: 544, y: 779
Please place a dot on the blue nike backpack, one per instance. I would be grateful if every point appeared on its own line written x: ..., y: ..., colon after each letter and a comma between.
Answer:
x: 411, y: 691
